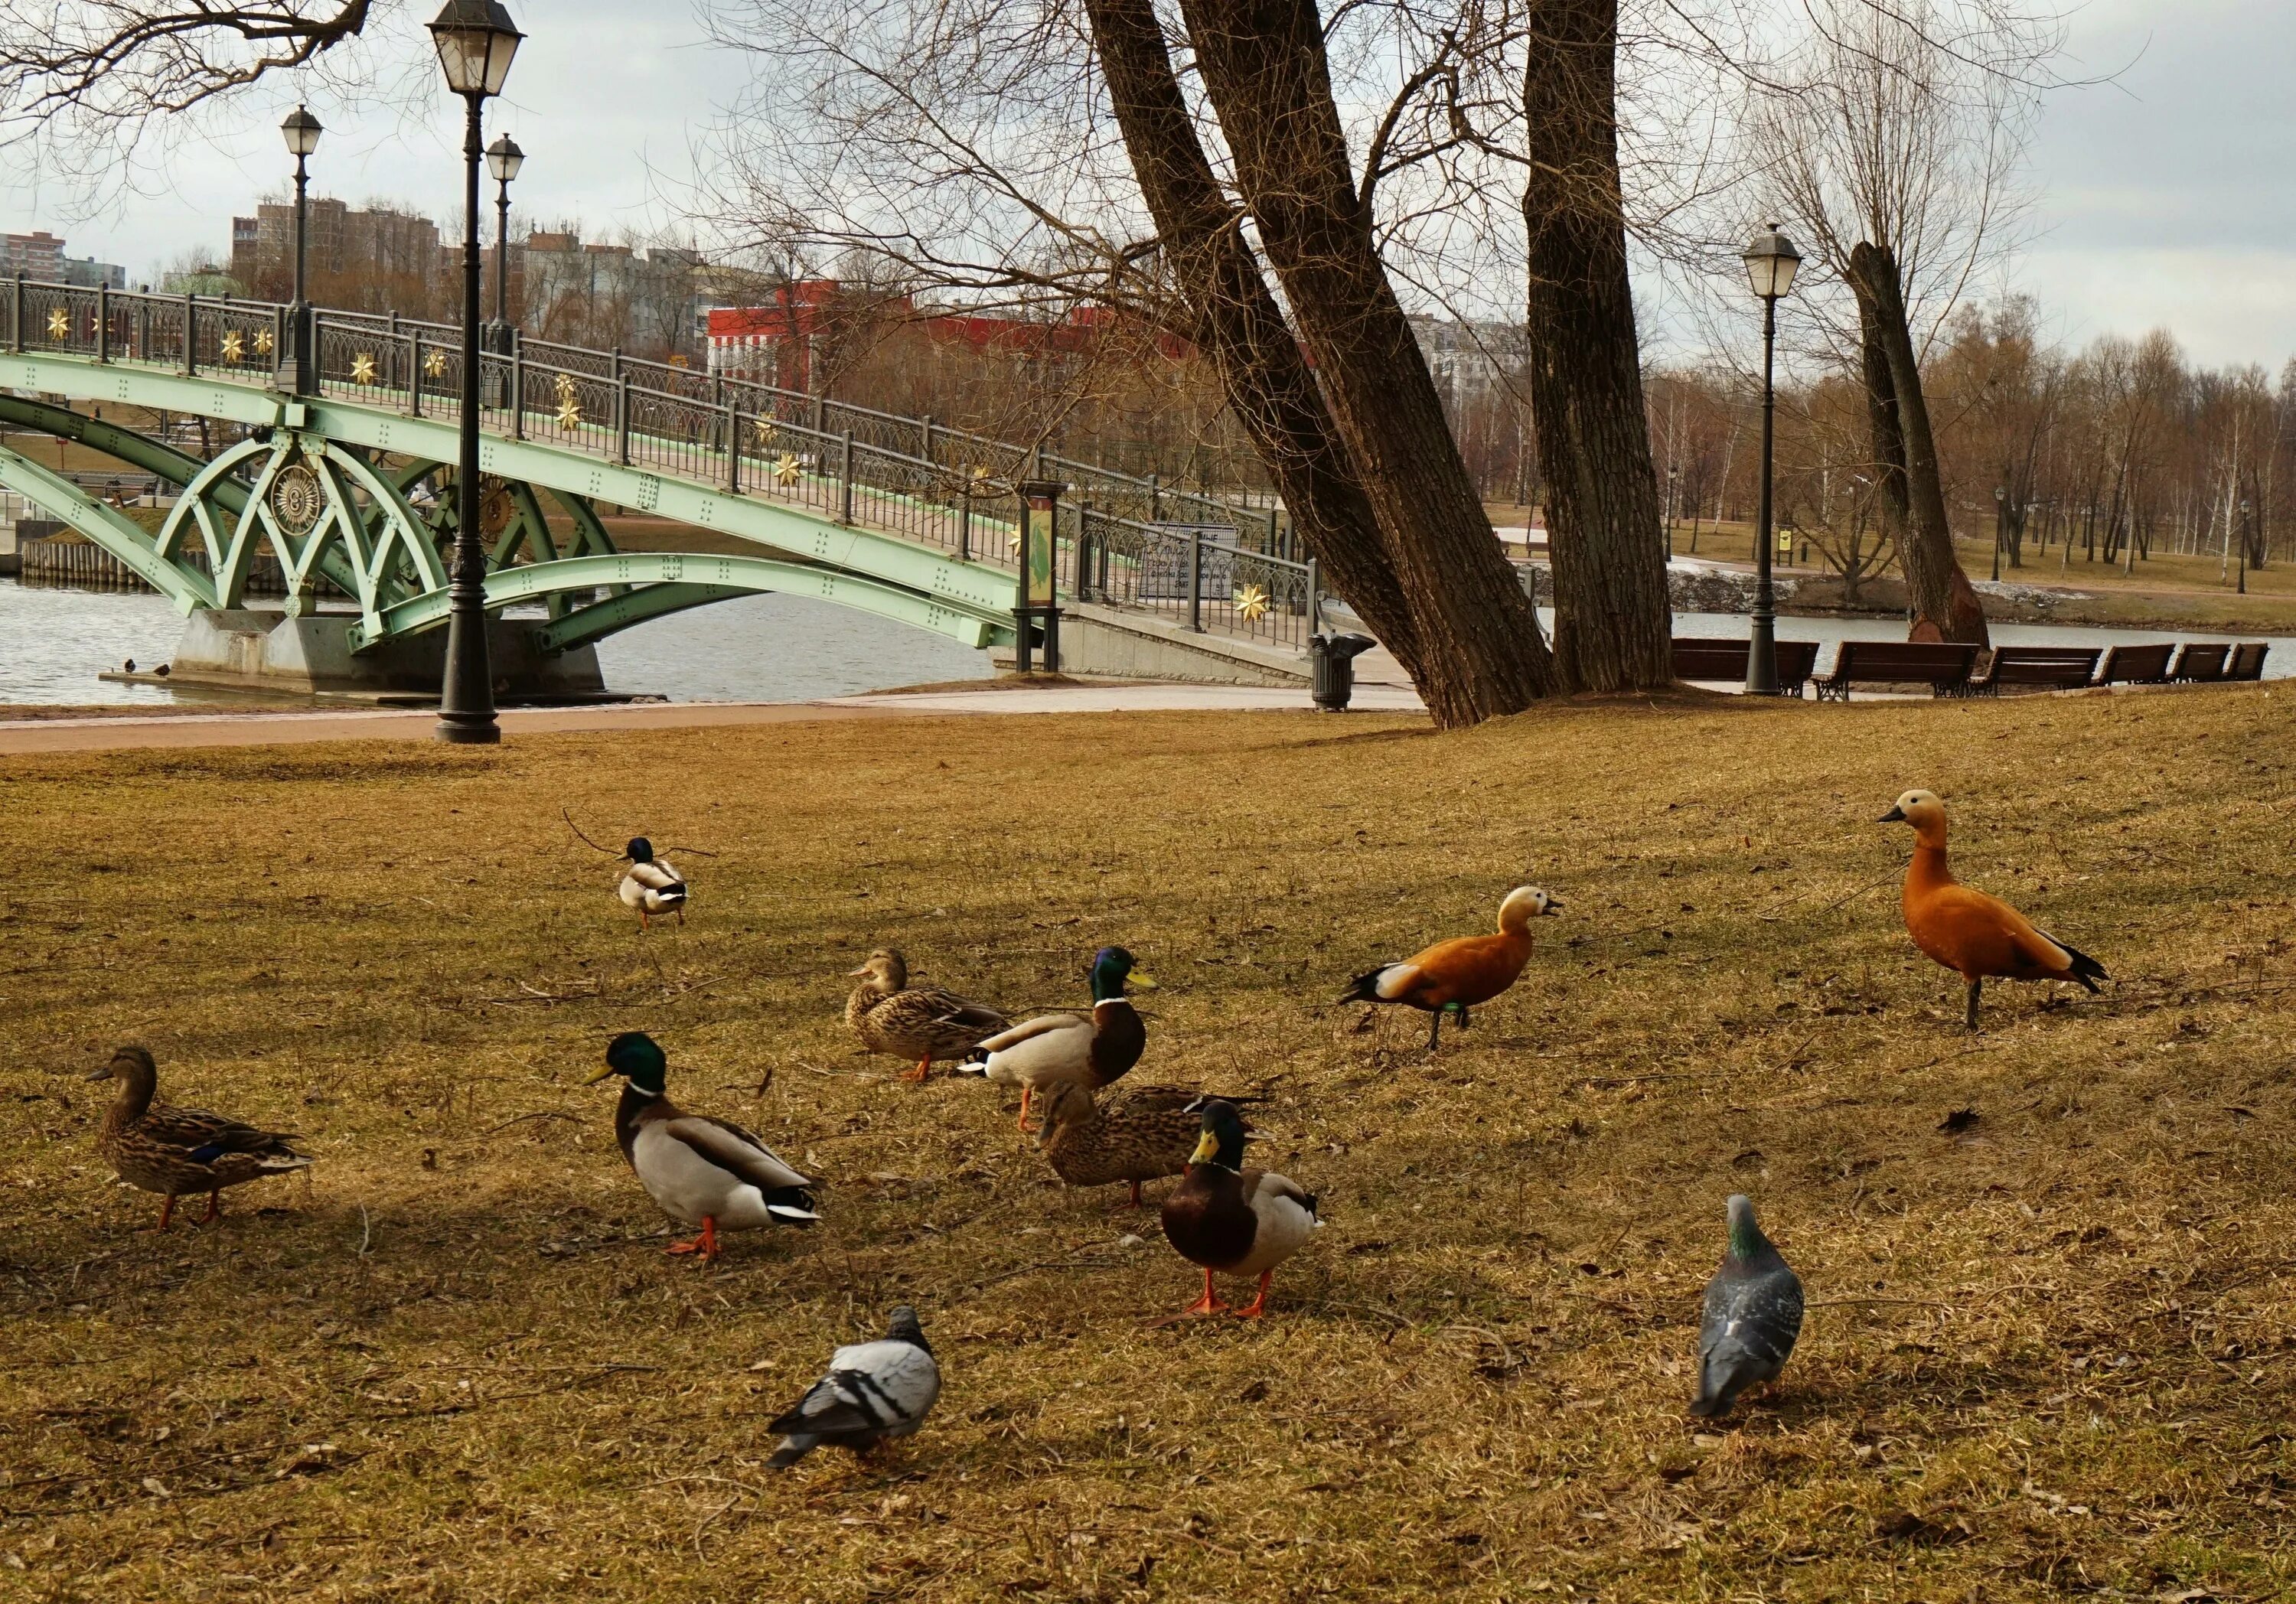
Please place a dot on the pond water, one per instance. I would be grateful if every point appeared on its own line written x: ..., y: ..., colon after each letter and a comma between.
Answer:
x: 54, y: 642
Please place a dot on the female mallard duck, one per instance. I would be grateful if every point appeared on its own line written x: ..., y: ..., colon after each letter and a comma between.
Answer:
x: 1067, y: 1049
x: 1144, y: 1136
x: 922, y: 1022
x: 650, y: 885
x: 1237, y: 1221
x: 172, y: 1151
x: 702, y: 1171
x: 1461, y: 973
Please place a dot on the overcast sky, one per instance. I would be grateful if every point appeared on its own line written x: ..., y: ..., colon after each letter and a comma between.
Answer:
x: 2167, y: 196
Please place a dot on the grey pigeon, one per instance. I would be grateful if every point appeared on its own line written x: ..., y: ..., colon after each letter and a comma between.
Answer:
x: 1753, y: 1314
x: 873, y: 1390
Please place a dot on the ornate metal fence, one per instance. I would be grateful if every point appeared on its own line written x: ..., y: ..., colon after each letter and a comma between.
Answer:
x: 1123, y: 540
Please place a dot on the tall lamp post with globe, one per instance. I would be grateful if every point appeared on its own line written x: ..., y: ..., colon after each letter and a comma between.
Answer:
x: 301, y: 131
x: 476, y: 40
x: 1770, y: 262
x: 504, y: 159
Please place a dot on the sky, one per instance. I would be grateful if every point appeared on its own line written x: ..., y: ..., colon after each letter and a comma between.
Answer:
x: 2166, y: 194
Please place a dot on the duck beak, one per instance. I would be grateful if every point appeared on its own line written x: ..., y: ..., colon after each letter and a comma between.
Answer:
x: 1207, y: 1149
x: 863, y: 973
x: 96, y: 1075
x: 601, y: 1075
x: 1143, y: 979
x: 1553, y: 907
x: 1896, y: 815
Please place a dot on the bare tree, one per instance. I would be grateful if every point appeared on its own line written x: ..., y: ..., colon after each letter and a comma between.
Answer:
x: 1893, y: 137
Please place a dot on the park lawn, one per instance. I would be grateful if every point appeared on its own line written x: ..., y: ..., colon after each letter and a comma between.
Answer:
x: 2049, y: 1351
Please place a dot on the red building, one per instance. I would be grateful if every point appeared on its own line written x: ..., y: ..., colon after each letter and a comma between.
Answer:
x: 775, y: 344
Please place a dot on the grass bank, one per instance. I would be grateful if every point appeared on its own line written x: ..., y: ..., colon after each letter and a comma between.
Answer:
x: 2050, y: 1350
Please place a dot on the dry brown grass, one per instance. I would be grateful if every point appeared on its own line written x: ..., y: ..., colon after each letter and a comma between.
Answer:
x: 2051, y: 1354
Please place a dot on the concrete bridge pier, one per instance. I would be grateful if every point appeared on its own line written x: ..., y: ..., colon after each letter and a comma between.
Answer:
x: 252, y: 649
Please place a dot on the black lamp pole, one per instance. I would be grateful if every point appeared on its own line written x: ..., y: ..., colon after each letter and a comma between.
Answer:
x: 504, y: 159
x: 476, y: 40
x: 2000, y: 509
x: 1770, y: 263
x: 302, y: 132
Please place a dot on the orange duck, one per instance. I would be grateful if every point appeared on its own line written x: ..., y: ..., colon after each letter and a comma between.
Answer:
x: 1463, y: 973
x: 1974, y: 935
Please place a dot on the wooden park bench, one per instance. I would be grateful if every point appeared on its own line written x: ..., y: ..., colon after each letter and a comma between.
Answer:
x: 2199, y: 664
x: 2247, y: 660
x: 1944, y: 668
x: 2136, y: 665
x: 1698, y: 658
x: 2054, y: 667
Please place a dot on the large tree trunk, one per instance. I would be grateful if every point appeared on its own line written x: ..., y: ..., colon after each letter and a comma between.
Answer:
x: 1233, y: 316
x: 1612, y: 618
x: 1264, y: 68
x: 1941, y: 594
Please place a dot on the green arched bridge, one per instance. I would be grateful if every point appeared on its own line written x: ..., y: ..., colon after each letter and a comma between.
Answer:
x: 346, y: 485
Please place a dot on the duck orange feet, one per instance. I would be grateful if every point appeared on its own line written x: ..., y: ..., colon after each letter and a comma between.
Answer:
x: 922, y: 1071
x: 1257, y: 1306
x: 706, y: 1244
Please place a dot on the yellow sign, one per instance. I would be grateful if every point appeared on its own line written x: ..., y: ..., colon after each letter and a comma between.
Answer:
x: 1038, y: 577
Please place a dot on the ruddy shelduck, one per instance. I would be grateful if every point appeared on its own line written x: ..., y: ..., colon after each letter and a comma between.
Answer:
x: 1974, y: 935
x: 1461, y: 973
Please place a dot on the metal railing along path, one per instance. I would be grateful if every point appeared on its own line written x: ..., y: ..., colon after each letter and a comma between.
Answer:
x: 1123, y: 540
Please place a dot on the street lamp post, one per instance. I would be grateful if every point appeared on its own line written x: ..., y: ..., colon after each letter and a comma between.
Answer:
x: 2244, y: 511
x: 504, y: 159
x: 301, y: 131
x: 1770, y: 263
x: 476, y: 40
x: 2000, y: 509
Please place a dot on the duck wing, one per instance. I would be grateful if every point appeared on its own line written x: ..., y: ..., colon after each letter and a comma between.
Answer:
x: 1029, y: 1030
x: 208, y: 1136
x: 947, y: 1008
x: 656, y: 876
x: 731, y: 1148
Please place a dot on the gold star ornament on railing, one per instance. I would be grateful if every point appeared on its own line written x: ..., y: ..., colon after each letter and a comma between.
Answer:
x: 764, y: 433
x: 434, y: 364
x: 362, y: 368
x: 1251, y: 603
x: 262, y: 342
x: 570, y: 410
x: 59, y: 323
x: 787, y: 470
x: 233, y: 348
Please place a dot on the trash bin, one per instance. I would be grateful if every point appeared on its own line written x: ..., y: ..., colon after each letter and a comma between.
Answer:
x: 1332, y: 660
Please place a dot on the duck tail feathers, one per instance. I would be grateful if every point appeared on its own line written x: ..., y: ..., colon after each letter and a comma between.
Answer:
x: 2085, y: 969
x: 974, y: 1065
x: 1365, y: 987
x: 791, y: 1206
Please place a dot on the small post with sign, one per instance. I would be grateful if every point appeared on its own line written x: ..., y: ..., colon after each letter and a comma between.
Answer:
x: 1036, y: 601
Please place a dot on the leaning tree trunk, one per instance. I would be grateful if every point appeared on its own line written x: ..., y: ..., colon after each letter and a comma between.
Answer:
x: 1265, y: 70
x: 1612, y: 618
x: 1941, y: 594
x: 1233, y: 316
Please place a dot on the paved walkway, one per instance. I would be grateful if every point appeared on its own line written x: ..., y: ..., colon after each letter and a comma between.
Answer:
x: 267, y: 729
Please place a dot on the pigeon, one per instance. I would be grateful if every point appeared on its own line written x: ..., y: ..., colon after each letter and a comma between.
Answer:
x: 873, y: 1390
x: 1753, y: 1314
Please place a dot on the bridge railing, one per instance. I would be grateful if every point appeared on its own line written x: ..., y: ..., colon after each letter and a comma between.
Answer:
x: 1126, y: 540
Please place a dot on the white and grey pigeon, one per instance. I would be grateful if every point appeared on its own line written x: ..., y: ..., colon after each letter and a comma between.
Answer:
x: 873, y: 1390
x: 1753, y: 1315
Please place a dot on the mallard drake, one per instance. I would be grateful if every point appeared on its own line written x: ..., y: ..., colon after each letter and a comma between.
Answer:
x: 702, y: 1171
x: 1967, y: 931
x: 1143, y: 1135
x: 1069, y: 1049
x: 650, y: 885
x: 172, y: 1151
x: 1237, y: 1221
x: 873, y: 1391
x: 1753, y: 1315
x: 920, y: 1022
x: 1464, y: 972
